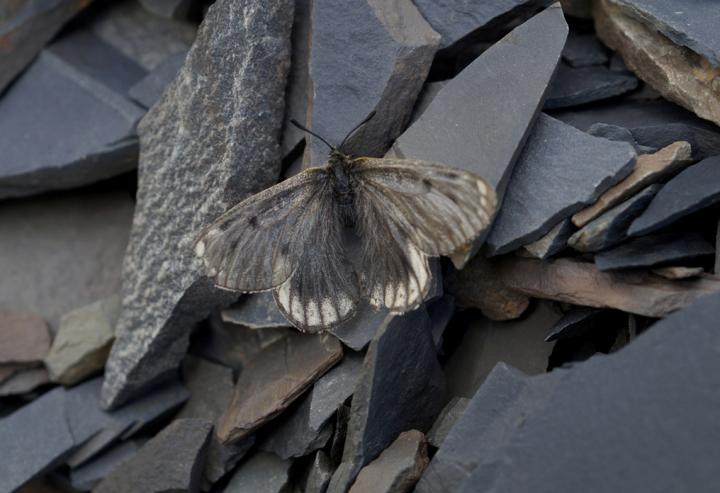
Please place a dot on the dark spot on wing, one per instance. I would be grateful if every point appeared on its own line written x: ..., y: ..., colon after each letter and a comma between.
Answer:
x: 426, y: 183
x: 253, y: 221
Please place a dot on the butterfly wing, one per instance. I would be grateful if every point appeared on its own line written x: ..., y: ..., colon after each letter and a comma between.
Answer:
x: 323, y: 291
x: 408, y: 211
x: 257, y: 245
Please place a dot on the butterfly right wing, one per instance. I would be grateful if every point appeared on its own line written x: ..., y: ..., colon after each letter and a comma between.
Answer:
x: 257, y: 245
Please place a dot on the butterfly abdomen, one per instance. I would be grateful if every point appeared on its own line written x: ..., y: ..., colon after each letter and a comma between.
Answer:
x: 343, y: 192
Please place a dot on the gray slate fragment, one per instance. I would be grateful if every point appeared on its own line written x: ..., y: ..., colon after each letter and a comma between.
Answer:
x: 319, y: 474
x: 654, y: 124
x: 148, y: 90
x: 25, y: 27
x: 256, y: 311
x: 444, y: 423
x: 576, y: 86
x: 171, y: 461
x: 573, y: 323
x: 365, y: 55
x: 441, y: 312
x: 261, y: 473
x: 223, y: 458
x: 507, y: 85
x: 620, y: 134
x: 668, y: 375
x: 66, y: 121
x: 62, y: 251
x: 192, y: 141
x: 655, y: 250
x: 694, y: 26
x: 401, y: 387
x: 167, y: 8
x: 610, y: 228
x: 583, y: 50
x: 24, y: 381
x: 560, y: 171
x: 210, y: 387
x: 457, y: 20
x: 357, y: 332
x: 693, y: 189
x: 296, y: 92
x: 333, y: 388
x: 87, y: 476
x: 554, y: 241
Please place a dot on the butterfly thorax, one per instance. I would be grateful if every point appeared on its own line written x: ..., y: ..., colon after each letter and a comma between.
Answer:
x: 339, y: 166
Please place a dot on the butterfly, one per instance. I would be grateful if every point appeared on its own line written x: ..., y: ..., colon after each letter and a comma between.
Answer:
x: 293, y: 238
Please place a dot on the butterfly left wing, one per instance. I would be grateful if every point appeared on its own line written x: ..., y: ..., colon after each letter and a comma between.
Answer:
x: 408, y: 211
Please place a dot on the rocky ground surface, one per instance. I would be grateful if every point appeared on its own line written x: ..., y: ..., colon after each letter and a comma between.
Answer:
x: 574, y: 347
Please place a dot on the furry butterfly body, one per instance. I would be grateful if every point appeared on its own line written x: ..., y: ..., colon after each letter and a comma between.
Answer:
x: 293, y: 237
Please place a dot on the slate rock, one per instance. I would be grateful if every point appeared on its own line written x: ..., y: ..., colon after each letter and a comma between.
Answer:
x: 584, y: 50
x: 441, y: 311
x: 397, y: 468
x: 449, y: 415
x: 171, y: 461
x: 24, y: 381
x: 560, y: 171
x: 649, y: 168
x: 554, y: 241
x: 610, y: 228
x: 658, y: 249
x: 189, y: 175
x: 83, y: 341
x: 274, y: 379
x: 62, y: 251
x: 142, y: 36
x: 693, y: 189
x: 665, y: 376
x: 148, y: 90
x: 573, y: 323
x: 674, y: 272
x: 333, y: 388
x: 24, y: 337
x: 221, y: 459
x: 89, y: 475
x: 618, y: 133
x: 167, y: 8
x: 210, y: 387
x: 256, y: 311
x: 365, y: 56
x: 581, y: 9
x: 319, y: 474
x: 520, y: 343
x: 459, y: 22
x: 400, y: 382
x: 25, y: 27
x: 576, y: 86
x: 66, y: 121
x: 654, y: 124
x: 296, y: 91
x: 261, y: 473
x: 581, y: 283
x: 499, y: 86
x: 63, y: 420
x: 674, y: 70
x: 10, y: 369
x: 357, y: 332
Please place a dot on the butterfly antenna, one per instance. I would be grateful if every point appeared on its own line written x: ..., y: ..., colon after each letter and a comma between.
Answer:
x: 367, y: 119
x: 305, y: 129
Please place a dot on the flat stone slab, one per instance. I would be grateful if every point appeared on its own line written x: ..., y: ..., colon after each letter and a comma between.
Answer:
x: 24, y: 381
x: 576, y: 86
x: 654, y: 250
x: 391, y: 47
x: 693, y: 189
x: 26, y: 27
x: 402, y: 383
x: 261, y: 473
x: 622, y: 134
x: 24, y: 337
x: 649, y: 168
x: 274, y: 379
x: 189, y: 175
x: 553, y: 242
x: 449, y: 415
x: 256, y: 311
x: 167, y: 8
x: 148, y: 90
x: 83, y: 341
x: 319, y: 474
x: 62, y: 251
x: 611, y: 227
x: 89, y: 475
x: 583, y: 50
x: 561, y: 170
x: 171, y: 461
x: 664, y: 376
x: 397, y: 468
x: 67, y: 121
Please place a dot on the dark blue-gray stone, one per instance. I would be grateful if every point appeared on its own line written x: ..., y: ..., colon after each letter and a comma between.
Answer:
x: 148, y: 90
x: 553, y: 242
x: 610, y: 228
x: 620, y: 134
x: 256, y: 311
x: 654, y: 124
x: 655, y: 250
x: 401, y: 387
x: 67, y: 121
x: 576, y: 86
x: 560, y: 171
x: 446, y: 420
x: 296, y: 96
x: 693, y: 189
x: 583, y: 50
x: 87, y: 476
x: 167, y: 8
x: 573, y: 323
x: 656, y: 399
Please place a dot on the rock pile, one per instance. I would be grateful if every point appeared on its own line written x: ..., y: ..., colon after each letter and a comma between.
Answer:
x: 577, y: 335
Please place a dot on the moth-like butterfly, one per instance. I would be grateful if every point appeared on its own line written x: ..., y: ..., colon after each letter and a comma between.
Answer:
x: 293, y: 238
